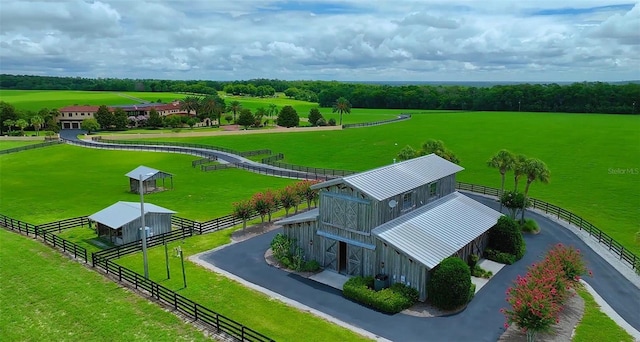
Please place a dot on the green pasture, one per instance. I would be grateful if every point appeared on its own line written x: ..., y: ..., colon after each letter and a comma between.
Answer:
x: 593, y: 158
x: 47, y: 297
x: 595, y: 325
x: 271, y: 317
x: 7, y: 144
x: 64, y: 181
x: 37, y: 99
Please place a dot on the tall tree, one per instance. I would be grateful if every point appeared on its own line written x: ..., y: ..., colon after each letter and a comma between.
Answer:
x: 246, y: 118
x: 288, y: 117
x: 341, y: 106
x: 120, y: 119
x: 104, y: 117
x: 190, y: 104
x: 503, y: 161
x: 90, y: 125
x: 518, y: 169
x: 7, y: 112
x: 37, y: 121
x: 235, y: 107
x: 154, y: 120
x: 535, y: 170
x: 314, y: 116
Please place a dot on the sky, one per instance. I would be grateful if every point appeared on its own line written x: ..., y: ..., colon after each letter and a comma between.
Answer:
x: 344, y: 40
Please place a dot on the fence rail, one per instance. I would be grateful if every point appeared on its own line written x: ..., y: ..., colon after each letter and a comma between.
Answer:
x: 400, y: 117
x: 181, y: 144
x: 274, y: 161
x: 562, y: 214
x: 298, y: 174
x: 203, y: 161
x: 31, y: 147
x: 61, y: 225
x: 207, y: 168
x: 187, y: 307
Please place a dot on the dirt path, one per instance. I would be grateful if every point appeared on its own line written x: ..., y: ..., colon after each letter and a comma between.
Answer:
x: 222, y: 133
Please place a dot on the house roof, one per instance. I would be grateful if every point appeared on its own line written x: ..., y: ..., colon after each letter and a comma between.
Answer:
x: 121, y: 213
x: 307, y: 216
x: 439, y: 229
x: 146, y: 173
x: 398, y: 178
x: 91, y: 109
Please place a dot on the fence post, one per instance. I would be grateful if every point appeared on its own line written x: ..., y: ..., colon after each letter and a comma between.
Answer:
x: 621, y: 251
x: 195, y: 310
x: 59, y: 230
x: 135, y: 277
x: 218, y: 322
x: 119, y: 273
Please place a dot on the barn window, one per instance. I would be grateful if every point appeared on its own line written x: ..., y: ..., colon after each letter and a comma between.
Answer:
x: 433, y: 189
x: 407, y: 201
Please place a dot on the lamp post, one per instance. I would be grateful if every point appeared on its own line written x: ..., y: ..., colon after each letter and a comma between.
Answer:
x: 143, y: 230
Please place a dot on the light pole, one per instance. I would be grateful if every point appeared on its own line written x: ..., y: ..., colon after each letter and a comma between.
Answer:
x: 143, y: 229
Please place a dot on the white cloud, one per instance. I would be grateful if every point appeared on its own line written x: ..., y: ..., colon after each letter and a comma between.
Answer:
x: 348, y: 40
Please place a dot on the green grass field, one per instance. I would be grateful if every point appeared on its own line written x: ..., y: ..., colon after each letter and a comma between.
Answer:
x: 256, y: 310
x: 67, y: 181
x: 595, y: 325
x: 47, y: 297
x: 38, y: 99
x: 583, y: 152
x: 7, y: 144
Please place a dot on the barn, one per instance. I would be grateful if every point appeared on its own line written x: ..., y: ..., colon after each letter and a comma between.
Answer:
x: 399, y: 220
x: 152, y: 180
x: 120, y: 222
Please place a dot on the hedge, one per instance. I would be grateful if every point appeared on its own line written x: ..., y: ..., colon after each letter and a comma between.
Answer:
x: 390, y: 300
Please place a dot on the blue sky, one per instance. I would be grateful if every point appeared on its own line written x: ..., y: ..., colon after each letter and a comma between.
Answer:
x: 356, y: 40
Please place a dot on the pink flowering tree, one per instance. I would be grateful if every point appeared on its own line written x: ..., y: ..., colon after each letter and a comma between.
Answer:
x: 243, y: 210
x: 537, y: 298
x: 288, y: 198
x: 305, y: 192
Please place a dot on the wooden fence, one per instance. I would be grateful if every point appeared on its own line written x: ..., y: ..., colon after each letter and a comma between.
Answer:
x: 203, y: 161
x: 400, y: 117
x: 187, y: 307
x: 207, y: 168
x: 180, y: 144
x: 603, y: 238
x: 31, y: 147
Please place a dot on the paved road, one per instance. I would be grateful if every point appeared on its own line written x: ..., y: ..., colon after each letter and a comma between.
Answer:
x: 481, y: 321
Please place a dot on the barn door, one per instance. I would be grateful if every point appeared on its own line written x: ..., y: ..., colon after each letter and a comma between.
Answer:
x: 331, y: 255
x: 355, y: 260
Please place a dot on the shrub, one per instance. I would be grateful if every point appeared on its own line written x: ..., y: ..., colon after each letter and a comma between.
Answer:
x: 314, y: 116
x: 449, y: 285
x: 310, y: 266
x: 479, y: 272
x: 473, y: 261
x: 332, y: 122
x: 513, y: 201
x: 505, y: 237
x: 569, y: 258
x: 290, y: 255
x: 529, y: 226
x: 472, y: 292
x: 390, y: 300
x: 497, y: 256
x: 288, y: 117
x: 321, y: 122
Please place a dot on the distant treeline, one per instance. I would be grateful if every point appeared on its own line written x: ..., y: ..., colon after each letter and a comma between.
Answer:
x: 585, y: 97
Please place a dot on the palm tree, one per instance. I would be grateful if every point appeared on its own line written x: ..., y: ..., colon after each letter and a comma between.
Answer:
x: 503, y: 161
x: 272, y: 110
x: 518, y: 169
x: 22, y: 124
x: 535, y: 170
x: 342, y: 105
x: 234, y: 107
x: 37, y: 122
x: 191, y: 103
x: 9, y: 123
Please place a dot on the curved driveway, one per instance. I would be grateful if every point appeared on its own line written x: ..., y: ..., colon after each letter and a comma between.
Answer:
x: 481, y: 321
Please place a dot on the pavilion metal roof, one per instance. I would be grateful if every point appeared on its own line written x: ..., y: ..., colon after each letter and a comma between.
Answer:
x: 121, y: 213
x: 439, y: 229
x: 391, y: 180
x: 146, y: 173
x: 306, y: 216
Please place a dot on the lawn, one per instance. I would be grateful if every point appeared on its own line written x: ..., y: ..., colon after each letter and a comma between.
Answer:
x: 66, y: 181
x: 47, y: 297
x: 7, y: 144
x: 583, y: 152
x: 256, y: 310
x: 37, y: 99
x: 595, y: 325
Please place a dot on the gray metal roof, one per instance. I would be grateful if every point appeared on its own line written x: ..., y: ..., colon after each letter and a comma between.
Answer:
x: 145, y: 171
x: 121, y: 213
x: 398, y: 178
x: 307, y: 216
x: 438, y: 230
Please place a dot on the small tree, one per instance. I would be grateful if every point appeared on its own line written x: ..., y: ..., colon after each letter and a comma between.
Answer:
x: 437, y: 147
x: 271, y: 199
x: 120, y: 119
x: 104, y: 117
x: 246, y: 119
x: 154, y: 121
x: 243, y: 210
x: 37, y: 122
x: 9, y: 124
x: 260, y: 205
x: 288, y: 198
x: 305, y: 191
x: 407, y: 153
x: 90, y: 125
x: 228, y: 118
x: 288, y: 117
x: 191, y: 122
x: 22, y: 124
x: 513, y: 201
x: 314, y: 116
x: 449, y: 285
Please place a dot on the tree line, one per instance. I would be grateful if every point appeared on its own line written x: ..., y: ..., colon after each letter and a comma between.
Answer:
x: 583, y: 97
